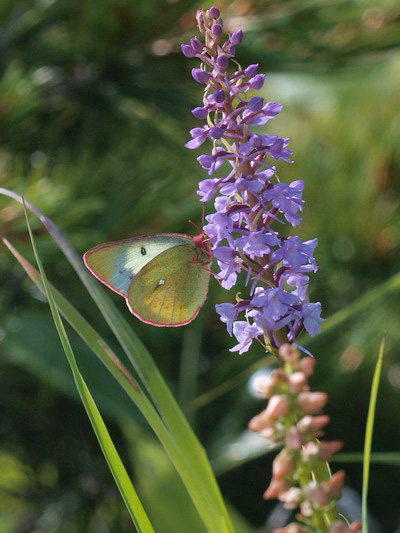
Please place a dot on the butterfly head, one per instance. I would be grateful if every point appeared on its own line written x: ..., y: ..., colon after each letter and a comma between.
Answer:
x: 202, y: 244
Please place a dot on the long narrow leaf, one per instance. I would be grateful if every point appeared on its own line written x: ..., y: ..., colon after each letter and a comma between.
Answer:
x: 128, y: 493
x: 379, y: 458
x: 368, y: 435
x: 146, y: 368
x: 200, y: 497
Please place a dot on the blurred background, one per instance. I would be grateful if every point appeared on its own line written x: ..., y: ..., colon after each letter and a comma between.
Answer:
x: 95, y: 101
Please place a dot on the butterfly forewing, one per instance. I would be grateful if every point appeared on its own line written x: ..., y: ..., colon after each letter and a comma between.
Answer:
x: 117, y: 263
x: 170, y: 290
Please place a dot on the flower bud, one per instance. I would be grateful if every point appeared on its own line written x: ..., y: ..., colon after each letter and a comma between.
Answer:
x: 216, y: 29
x: 200, y: 112
x: 196, y: 44
x: 218, y: 97
x: 271, y: 434
x: 260, y: 422
x: 200, y: 20
x: 289, y: 353
x: 310, y: 449
x: 278, y: 378
x: 313, y: 424
x: 216, y: 133
x: 283, y: 464
x: 251, y: 70
x: 222, y: 61
x: 291, y: 498
x: 294, y: 438
x: 214, y: 12
x: 255, y: 104
x: 187, y: 50
x: 323, y: 450
x: 257, y: 82
x: 277, y: 407
x: 236, y: 37
x: 307, y: 365
x: 311, y: 402
x: 297, y: 382
x: 333, y: 487
x: 275, y: 488
x: 199, y: 75
x: 315, y: 494
x: 328, y: 449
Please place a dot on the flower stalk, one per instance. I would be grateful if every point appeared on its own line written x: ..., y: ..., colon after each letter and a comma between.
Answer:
x: 251, y: 202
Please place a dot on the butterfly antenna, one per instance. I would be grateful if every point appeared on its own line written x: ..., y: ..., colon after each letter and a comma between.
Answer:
x: 195, y: 225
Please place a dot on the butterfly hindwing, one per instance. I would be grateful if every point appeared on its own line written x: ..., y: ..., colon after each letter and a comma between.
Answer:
x: 116, y: 263
x: 170, y: 290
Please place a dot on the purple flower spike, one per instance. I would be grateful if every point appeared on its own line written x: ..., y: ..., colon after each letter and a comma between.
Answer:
x: 250, y: 203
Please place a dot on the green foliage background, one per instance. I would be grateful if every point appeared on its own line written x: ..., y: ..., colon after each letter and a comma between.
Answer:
x: 95, y: 102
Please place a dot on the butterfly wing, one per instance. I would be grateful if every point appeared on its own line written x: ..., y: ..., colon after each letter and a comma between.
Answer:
x: 170, y: 289
x: 116, y: 263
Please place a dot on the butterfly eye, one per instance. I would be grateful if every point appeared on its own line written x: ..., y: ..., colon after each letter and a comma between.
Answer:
x: 143, y: 250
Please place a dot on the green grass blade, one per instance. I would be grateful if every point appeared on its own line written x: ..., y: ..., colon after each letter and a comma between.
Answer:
x: 114, y: 462
x: 382, y: 458
x: 145, y: 366
x: 368, y: 435
x: 196, y: 491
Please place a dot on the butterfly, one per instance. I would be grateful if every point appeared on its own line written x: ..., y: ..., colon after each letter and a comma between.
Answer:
x: 164, y: 278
